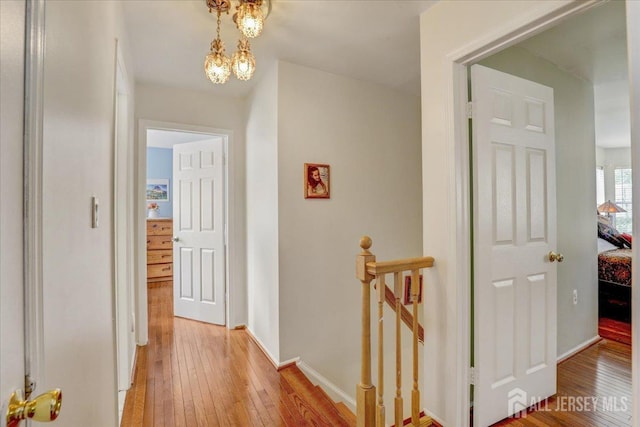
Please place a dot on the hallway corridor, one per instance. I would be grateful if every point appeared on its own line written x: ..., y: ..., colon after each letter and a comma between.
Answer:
x: 195, y: 374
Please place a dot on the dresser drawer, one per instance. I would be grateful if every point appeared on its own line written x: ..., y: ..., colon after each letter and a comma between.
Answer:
x: 159, y: 256
x: 159, y: 270
x: 159, y: 228
x: 159, y: 242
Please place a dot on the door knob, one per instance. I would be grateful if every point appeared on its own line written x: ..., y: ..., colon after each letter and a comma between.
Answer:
x: 555, y: 257
x: 43, y: 408
x: 176, y: 239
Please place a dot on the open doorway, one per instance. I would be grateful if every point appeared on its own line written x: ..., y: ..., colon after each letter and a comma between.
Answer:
x: 557, y: 58
x: 182, y: 222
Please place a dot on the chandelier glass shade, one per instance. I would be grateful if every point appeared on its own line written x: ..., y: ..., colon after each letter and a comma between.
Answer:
x: 250, y: 21
x: 243, y: 62
x: 217, y: 65
x: 250, y: 18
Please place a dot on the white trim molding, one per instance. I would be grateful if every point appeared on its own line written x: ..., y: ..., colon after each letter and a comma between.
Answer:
x: 633, y: 55
x: 274, y: 361
x: 336, y: 393
x: 232, y: 261
x: 33, y: 193
x: 577, y: 349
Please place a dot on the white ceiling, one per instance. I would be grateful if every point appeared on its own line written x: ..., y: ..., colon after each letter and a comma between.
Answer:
x: 167, y: 138
x: 593, y: 47
x: 372, y: 40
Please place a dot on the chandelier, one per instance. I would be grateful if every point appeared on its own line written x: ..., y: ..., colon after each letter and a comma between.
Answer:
x: 249, y: 19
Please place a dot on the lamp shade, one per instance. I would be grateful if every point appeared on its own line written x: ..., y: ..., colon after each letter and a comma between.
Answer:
x: 609, y: 207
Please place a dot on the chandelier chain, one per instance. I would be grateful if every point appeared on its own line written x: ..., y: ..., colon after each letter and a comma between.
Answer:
x: 218, y: 26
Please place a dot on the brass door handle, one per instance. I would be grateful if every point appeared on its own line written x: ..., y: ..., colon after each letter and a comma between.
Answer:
x: 555, y: 257
x: 43, y: 408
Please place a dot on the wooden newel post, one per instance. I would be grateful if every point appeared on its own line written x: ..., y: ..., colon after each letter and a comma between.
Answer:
x: 365, y: 391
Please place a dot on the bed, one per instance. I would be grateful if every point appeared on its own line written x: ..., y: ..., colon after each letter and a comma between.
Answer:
x: 614, y: 281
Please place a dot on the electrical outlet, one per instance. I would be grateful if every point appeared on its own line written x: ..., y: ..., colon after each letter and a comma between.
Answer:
x: 575, y: 296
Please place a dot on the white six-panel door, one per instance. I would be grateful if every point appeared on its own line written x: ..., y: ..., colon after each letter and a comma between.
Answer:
x: 198, y: 222
x: 514, y: 229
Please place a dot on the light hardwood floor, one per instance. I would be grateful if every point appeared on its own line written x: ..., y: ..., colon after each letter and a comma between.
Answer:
x: 195, y: 374
x: 602, y: 371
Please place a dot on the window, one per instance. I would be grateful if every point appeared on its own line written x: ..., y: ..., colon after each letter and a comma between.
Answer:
x: 599, y: 185
x: 623, y: 199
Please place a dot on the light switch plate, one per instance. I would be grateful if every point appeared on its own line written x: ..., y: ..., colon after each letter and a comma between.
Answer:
x: 94, y: 212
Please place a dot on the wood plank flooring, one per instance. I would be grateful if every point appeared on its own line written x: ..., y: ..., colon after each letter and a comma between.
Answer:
x: 602, y: 371
x: 195, y: 374
x: 615, y: 330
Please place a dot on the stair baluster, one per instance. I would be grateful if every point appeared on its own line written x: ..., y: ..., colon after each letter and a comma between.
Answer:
x: 415, y: 393
x: 397, y: 291
x: 371, y: 413
x: 380, y: 413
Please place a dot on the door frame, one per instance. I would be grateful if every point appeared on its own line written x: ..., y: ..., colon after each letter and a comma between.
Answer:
x: 123, y: 223
x: 445, y: 130
x: 33, y: 190
x: 142, y: 328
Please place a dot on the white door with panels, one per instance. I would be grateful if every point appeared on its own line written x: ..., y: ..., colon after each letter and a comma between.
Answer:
x: 515, y: 243
x: 199, y: 231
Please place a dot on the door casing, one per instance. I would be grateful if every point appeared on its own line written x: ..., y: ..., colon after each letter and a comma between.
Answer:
x: 142, y: 330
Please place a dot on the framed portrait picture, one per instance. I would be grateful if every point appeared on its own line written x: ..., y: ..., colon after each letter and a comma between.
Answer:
x: 158, y: 190
x: 317, y: 181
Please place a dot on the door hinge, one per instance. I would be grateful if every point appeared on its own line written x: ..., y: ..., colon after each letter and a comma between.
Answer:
x: 472, y: 376
x: 29, y: 386
x: 469, y: 110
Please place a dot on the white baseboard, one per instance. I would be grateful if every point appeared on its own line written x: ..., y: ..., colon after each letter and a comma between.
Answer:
x: 121, y: 399
x: 289, y: 362
x: 337, y: 394
x: 433, y: 417
x: 578, y: 348
x: 274, y: 361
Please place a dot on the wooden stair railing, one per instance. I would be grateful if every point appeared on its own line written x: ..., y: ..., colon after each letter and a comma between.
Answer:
x: 405, y: 315
x: 370, y: 409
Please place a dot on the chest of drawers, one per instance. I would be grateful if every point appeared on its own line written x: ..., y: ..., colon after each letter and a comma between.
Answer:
x: 159, y: 250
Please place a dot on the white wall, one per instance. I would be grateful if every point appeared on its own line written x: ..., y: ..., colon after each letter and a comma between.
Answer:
x: 454, y: 31
x: 262, y: 213
x: 370, y: 136
x: 576, y: 190
x: 180, y: 106
x: 78, y: 135
x: 612, y: 113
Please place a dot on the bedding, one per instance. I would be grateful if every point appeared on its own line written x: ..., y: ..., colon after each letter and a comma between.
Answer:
x: 614, y: 266
x: 603, y: 245
x: 614, y: 273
